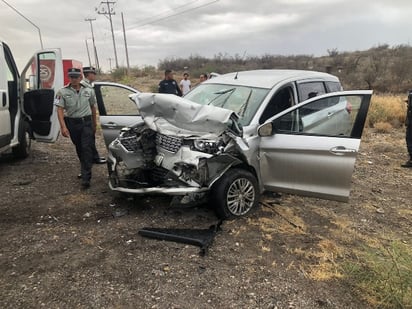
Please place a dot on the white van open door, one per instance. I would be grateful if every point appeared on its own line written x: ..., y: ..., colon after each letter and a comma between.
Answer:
x: 42, y: 77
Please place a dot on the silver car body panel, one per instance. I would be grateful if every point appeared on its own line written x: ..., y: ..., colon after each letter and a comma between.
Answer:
x: 269, y: 78
x: 307, y: 165
x: 173, y: 115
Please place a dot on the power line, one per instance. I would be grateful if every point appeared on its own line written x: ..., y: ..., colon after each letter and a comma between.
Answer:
x: 173, y: 15
x: 171, y: 10
x: 14, y: 9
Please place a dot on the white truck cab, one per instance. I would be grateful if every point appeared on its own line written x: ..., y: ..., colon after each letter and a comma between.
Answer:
x: 27, y: 111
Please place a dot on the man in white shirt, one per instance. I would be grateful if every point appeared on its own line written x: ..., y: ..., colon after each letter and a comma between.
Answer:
x: 185, y: 84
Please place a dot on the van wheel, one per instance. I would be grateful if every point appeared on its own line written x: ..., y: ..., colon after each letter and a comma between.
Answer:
x: 235, y: 194
x: 22, y: 150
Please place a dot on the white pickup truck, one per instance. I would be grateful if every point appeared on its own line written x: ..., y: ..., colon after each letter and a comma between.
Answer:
x: 26, y: 100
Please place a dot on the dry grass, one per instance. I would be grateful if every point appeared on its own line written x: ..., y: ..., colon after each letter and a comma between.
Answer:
x: 387, y: 111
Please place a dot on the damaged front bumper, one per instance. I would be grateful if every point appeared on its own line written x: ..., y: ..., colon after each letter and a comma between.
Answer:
x: 142, y: 161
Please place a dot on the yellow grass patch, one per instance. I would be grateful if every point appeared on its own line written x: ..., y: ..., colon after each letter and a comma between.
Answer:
x: 387, y: 108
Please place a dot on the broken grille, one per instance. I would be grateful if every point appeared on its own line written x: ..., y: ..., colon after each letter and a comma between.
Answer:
x: 129, y: 142
x: 168, y: 143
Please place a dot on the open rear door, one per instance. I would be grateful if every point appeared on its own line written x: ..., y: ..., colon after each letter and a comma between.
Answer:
x: 40, y: 80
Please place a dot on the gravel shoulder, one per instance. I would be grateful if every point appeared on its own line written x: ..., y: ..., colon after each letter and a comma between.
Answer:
x: 62, y: 247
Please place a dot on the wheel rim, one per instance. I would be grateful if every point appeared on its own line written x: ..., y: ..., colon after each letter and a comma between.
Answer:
x: 240, y: 196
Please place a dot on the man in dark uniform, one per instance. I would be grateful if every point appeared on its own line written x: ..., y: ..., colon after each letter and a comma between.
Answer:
x: 409, y: 131
x: 89, y: 77
x: 169, y: 85
x: 77, y: 117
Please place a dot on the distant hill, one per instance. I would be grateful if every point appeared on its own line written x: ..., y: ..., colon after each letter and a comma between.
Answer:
x: 382, y: 68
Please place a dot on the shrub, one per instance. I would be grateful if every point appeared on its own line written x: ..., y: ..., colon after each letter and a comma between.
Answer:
x: 383, y: 127
x: 387, y: 108
x: 384, y: 275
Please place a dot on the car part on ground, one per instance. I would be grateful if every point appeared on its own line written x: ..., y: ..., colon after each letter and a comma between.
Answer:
x: 202, y: 238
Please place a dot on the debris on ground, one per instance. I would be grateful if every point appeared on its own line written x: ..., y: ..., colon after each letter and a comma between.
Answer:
x: 202, y: 238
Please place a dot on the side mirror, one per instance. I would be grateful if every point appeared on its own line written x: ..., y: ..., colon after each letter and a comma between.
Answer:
x: 266, y: 129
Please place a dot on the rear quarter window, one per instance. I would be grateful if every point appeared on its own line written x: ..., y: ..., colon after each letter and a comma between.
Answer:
x: 310, y: 89
x: 333, y: 86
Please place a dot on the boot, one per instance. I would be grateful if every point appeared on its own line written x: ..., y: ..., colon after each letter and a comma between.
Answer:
x: 408, y: 163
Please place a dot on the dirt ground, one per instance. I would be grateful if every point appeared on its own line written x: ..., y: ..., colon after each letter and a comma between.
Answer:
x: 61, y: 247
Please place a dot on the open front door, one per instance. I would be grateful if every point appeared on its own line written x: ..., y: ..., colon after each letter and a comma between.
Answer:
x: 40, y: 80
x: 310, y: 149
x: 116, y: 109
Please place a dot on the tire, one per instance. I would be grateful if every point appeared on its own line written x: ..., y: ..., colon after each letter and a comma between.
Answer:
x: 22, y: 150
x: 235, y: 194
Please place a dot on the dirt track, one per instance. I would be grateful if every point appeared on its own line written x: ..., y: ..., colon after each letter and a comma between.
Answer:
x: 64, y: 248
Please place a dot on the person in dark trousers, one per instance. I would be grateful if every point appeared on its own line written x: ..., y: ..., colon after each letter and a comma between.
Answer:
x: 408, y: 136
x: 169, y: 85
x: 89, y: 77
x: 76, y: 111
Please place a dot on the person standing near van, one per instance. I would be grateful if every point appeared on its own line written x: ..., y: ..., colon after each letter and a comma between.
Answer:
x: 76, y: 111
x: 185, y: 84
x: 89, y: 74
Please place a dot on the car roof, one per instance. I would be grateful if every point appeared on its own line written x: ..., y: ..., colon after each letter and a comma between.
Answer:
x: 269, y: 78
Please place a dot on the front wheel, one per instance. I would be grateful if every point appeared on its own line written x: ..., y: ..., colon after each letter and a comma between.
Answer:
x: 235, y: 194
x: 22, y: 150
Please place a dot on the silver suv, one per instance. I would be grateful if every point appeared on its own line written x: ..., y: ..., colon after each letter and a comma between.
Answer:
x: 239, y: 134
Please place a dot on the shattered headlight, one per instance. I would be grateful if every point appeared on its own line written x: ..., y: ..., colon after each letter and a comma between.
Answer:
x: 208, y: 146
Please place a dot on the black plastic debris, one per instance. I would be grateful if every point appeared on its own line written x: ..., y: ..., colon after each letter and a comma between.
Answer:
x: 202, y: 238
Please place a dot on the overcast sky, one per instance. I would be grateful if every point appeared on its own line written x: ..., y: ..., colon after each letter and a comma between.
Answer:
x: 159, y: 29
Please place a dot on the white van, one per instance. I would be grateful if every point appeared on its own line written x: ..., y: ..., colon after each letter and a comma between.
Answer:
x: 26, y: 100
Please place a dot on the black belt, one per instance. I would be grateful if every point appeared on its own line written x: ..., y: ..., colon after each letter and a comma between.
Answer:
x: 79, y: 119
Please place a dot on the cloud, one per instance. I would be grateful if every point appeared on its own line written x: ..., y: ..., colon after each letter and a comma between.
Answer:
x: 176, y: 28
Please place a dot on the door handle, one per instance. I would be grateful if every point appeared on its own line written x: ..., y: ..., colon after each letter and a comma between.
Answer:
x: 110, y: 125
x: 341, y: 150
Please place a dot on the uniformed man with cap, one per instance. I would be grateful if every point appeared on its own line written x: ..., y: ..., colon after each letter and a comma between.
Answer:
x: 89, y: 74
x: 77, y: 117
x: 169, y: 85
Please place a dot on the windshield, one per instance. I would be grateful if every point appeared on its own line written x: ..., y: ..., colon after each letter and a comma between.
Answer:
x: 241, y: 99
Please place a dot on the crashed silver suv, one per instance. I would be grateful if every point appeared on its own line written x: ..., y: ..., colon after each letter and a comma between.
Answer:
x: 239, y: 134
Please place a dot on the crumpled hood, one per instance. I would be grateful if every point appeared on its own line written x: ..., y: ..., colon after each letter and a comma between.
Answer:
x: 172, y: 115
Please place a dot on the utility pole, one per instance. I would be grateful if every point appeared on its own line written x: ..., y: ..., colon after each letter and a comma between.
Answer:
x: 109, y: 11
x: 90, y: 20
x: 110, y: 63
x: 88, y: 53
x: 125, y: 46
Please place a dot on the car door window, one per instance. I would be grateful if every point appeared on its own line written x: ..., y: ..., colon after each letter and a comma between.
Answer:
x: 280, y: 101
x: 310, y: 89
x: 333, y: 86
x: 114, y: 101
x: 331, y: 116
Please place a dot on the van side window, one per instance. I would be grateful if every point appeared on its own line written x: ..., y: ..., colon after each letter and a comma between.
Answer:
x: 280, y: 101
x: 310, y: 89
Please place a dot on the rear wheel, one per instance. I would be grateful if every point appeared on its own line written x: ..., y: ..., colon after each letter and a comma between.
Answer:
x: 22, y: 150
x: 235, y: 194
